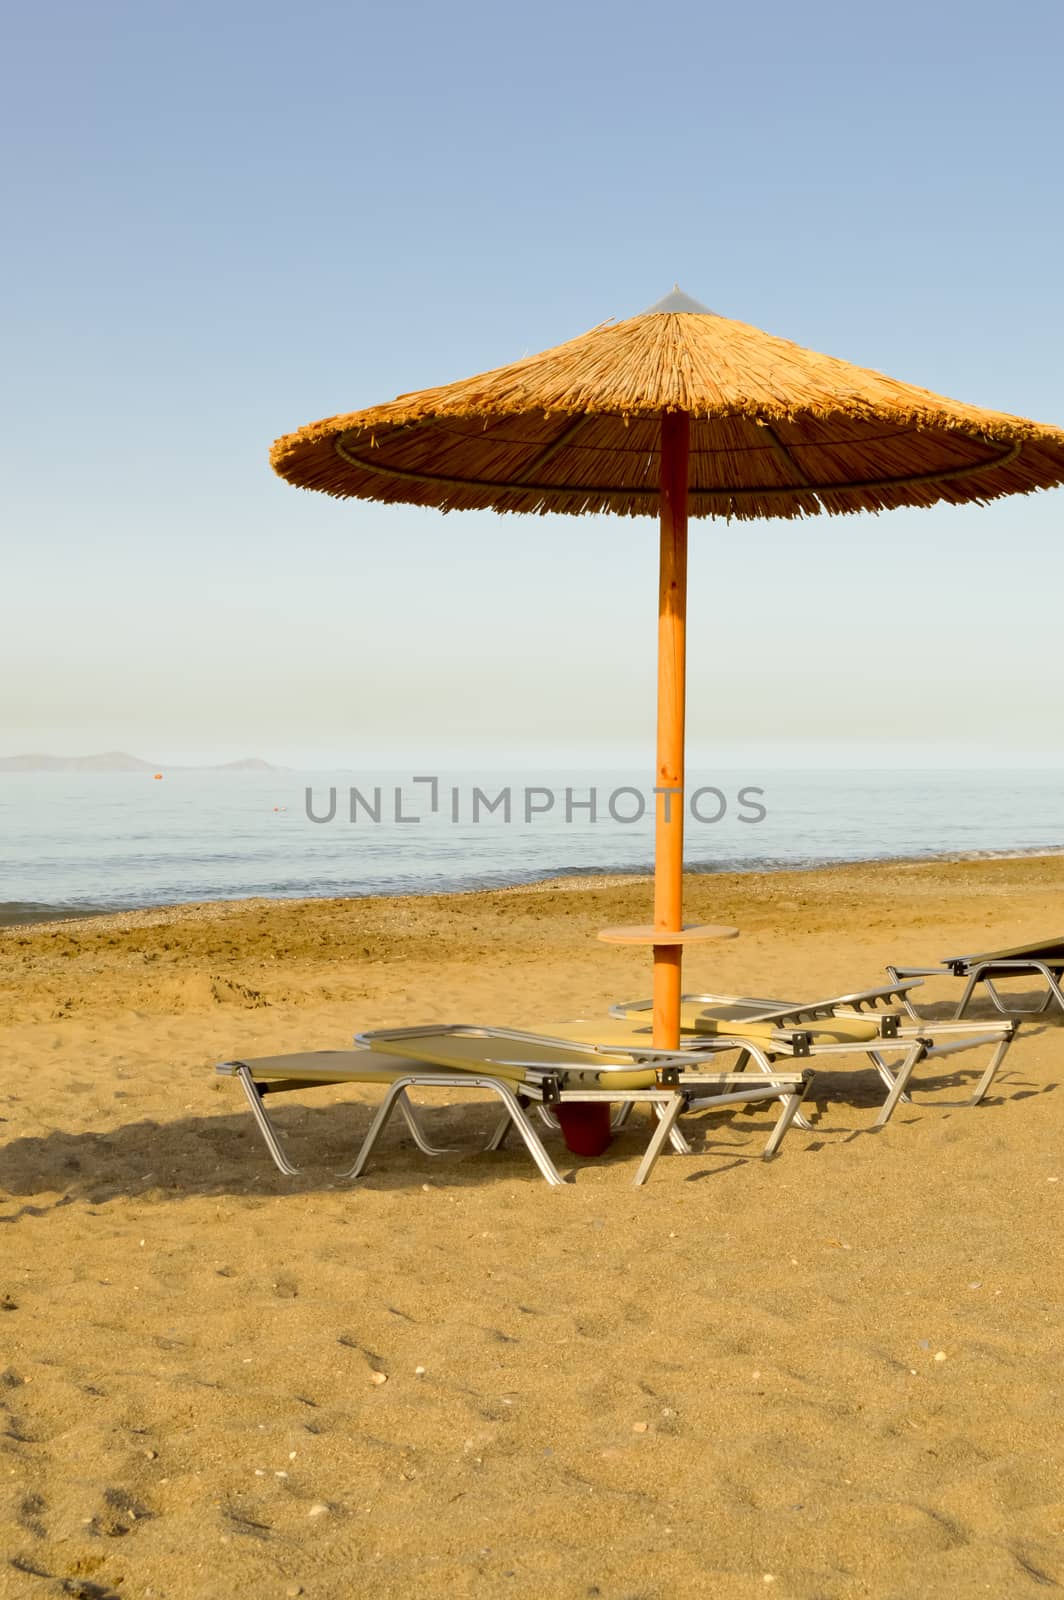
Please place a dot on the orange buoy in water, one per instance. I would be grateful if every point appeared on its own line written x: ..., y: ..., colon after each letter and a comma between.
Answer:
x: 158, y: 775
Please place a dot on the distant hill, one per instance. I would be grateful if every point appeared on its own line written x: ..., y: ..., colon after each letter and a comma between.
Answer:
x: 112, y: 761
x: 119, y: 761
x: 247, y: 764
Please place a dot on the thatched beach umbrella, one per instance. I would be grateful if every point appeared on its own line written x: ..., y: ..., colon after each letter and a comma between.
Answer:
x: 675, y: 413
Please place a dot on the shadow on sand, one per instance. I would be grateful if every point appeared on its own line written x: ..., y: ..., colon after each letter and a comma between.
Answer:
x: 222, y: 1154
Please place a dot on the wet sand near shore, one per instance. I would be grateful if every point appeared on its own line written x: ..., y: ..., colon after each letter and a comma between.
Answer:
x: 836, y: 1374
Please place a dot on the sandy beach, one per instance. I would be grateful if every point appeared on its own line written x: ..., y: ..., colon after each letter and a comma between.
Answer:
x: 832, y: 1375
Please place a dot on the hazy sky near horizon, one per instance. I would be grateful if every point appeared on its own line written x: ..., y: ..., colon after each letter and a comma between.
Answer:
x: 227, y: 220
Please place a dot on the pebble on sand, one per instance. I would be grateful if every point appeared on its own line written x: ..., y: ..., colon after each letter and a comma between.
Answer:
x: 378, y: 1377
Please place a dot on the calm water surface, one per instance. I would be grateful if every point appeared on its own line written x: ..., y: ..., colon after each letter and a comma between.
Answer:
x: 77, y: 843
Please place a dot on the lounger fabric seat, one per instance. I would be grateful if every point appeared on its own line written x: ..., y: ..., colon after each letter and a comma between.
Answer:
x: 344, y: 1066
x: 468, y: 1050
x: 1051, y: 950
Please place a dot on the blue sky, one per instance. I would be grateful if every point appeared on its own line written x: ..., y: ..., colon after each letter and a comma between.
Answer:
x: 227, y: 220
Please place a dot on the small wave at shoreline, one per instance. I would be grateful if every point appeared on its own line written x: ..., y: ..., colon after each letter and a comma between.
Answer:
x: 26, y: 913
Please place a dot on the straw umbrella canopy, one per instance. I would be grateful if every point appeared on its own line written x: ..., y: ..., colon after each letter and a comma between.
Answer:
x: 676, y: 413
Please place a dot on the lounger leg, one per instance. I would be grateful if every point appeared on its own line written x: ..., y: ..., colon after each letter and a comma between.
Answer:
x: 885, y: 1073
x: 660, y: 1137
x: 788, y: 1114
x: 410, y: 1118
x: 765, y: 1064
x: 498, y: 1137
x: 901, y: 1082
x: 963, y: 1002
x: 990, y: 1074
x: 991, y: 1071
x: 502, y: 1127
x: 1014, y: 1010
x: 676, y: 1135
x: 376, y: 1128
x: 906, y: 1003
x: 523, y: 1124
x: 265, y: 1126
x: 515, y: 1114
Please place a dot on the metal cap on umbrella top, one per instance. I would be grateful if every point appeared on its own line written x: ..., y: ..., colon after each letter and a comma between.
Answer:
x: 674, y: 413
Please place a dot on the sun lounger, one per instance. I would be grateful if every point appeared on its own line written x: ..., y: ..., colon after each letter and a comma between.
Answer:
x: 865, y: 1022
x: 519, y: 1070
x: 828, y: 1039
x: 597, y: 1069
x: 1042, y: 958
x: 765, y: 1041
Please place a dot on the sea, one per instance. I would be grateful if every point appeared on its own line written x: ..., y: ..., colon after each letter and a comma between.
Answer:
x: 78, y: 844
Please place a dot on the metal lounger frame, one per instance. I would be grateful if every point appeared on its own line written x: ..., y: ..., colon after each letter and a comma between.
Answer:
x: 915, y: 1050
x: 983, y: 970
x: 591, y: 1059
x: 589, y: 1056
x: 915, y: 1045
x: 874, y: 1003
x: 790, y: 1043
x: 544, y: 1088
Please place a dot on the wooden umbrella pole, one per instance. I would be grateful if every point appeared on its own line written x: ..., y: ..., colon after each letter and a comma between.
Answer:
x: 672, y: 664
